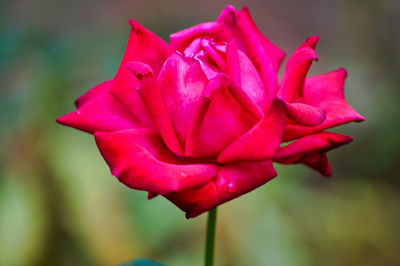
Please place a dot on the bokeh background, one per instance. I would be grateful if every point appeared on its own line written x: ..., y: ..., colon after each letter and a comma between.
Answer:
x: 59, y: 204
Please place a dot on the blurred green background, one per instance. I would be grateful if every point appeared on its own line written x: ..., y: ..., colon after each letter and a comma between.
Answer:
x: 59, y: 204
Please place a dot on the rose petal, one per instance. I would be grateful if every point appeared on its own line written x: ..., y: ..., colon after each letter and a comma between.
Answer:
x: 207, y: 65
x: 193, y: 48
x: 143, y: 46
x: 259, y: 57
x: 261, y: 142
x: 311, y: 41
x: 233, y: 180
x: 311, y: 149
x: 304, y: 114
x: 325, y: 92
x: 228, y: 16
x: 181, y: 82
x: 318, y: 162
x: 140, y: 160
x: 217, y: 30
x: 150, y: 94
x: 224, y: 121
x: 273, y: 52
x: 146, y: 47
x: 248, y: 91
x: 94, y: 93
x: 214, y: 54
x: 200, y: 111
x: 99, y: 111
x: 292, y: 83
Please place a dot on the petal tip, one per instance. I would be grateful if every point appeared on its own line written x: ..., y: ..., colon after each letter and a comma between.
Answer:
x: 360, y: 118
x: 342, y: 71
x: 230, y: 8
x: 135, y: 26
x: 227, y: 15
x: 65, y: 120
x: 245, y: 9
x: 313, y: 41
x: 346, y: 140
x: 61, y: 120
x: 327, y: 174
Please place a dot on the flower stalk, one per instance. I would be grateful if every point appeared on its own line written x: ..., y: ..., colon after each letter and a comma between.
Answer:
x: 210, y: 237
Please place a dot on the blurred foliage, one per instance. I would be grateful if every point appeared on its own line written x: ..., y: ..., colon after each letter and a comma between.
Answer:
x: 59, y: 204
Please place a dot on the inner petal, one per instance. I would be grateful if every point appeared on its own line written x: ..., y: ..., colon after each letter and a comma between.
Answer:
x: 181, y: 83
x: 251, y: 80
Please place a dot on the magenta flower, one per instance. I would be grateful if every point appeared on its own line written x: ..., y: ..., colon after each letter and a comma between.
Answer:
x: 201, y: 119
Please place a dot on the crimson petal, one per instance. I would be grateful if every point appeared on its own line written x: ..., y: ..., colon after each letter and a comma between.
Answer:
x: 311, y: 149
x: 261, y: 142
x: 248, y: 91
x: 259, y: 57
x: 305, y: 115
x: 224, y: 120
x: 180, y: 40
x: 233, y: 180
x: 99, y: 111
x: 296, y: 70
x: 146, y: 47
x: 273, y: 52
x: 140, y: 160
x: 325, y: 92
x: 200, y: 111
x: 93, y: 93
x: 181, y: 82
x: 150, y: 94
x: 228, y: 16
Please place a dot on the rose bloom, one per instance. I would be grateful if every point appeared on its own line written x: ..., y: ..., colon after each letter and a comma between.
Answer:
x: 200, y: 120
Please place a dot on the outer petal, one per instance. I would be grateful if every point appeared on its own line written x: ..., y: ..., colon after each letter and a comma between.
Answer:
x: 259, y: 56
x: 248, y: 91
x: 310, y: 150
x: 150, y: 94
x: 217, y: 30
x: 261, y: 142
x: 311, y: 41
x: 143, y: 46
x: 305, y: 115
x: 140, y: 160
x: 93, y: 93
x: 228, y: 16
x: 325, y: 92
x: 224, y: 121
x: 99, y: 111
x: 273, y: 52
x: 181, y: 82
x: 233, y: 180
x: 296, y: 70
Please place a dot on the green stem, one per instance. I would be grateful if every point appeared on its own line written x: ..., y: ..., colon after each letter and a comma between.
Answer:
x: 212, y: 218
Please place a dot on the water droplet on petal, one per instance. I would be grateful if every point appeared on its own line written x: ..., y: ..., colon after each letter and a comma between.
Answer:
x: 231, y: 187
x: 183, y: 174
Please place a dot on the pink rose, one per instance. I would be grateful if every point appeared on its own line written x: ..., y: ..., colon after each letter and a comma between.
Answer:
x: 200, y: 120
